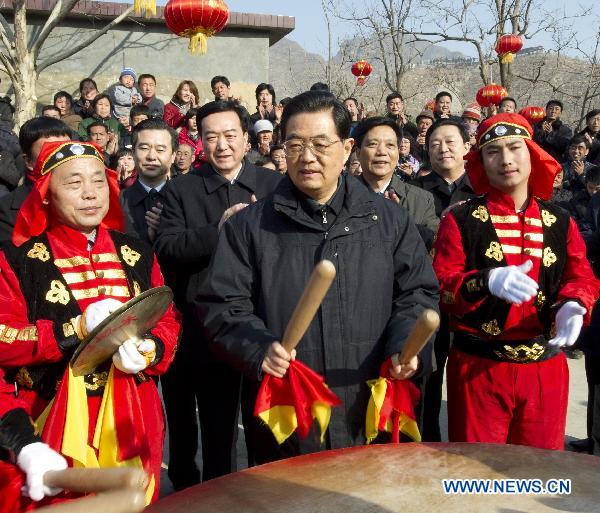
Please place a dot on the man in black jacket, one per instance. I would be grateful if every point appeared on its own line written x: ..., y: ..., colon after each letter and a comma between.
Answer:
x: 588, y: 341
x: 154, y: 145
x: 32, y: 136
x: 266, y: 253
x: 395, y: 110
x: 551, y: 133
x: 447, y: 142
x: 196, y: 206
x: 377, y: 141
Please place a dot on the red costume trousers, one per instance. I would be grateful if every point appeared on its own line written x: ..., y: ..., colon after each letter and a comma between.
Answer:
x: 502, y: 402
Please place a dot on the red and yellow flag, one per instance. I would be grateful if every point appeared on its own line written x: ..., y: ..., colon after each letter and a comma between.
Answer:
x: 119, y: 435
x: 392, y: 407
x: 294, y: 402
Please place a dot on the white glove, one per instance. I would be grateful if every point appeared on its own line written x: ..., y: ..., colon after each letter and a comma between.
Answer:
x: 569, y: 320
x: 35, y: 460
x: 98, y: 311
x: 129, y: 358
x: 512, y: 283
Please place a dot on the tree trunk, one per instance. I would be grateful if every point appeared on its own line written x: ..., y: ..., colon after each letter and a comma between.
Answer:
x: 25, y: 91
x: 505, y: 76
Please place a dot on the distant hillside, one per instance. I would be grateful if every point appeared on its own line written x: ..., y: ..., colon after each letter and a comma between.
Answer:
x: 434, y: 68
x: 292, y: 69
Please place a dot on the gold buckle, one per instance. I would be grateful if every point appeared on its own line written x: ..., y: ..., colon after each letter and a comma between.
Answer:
x: 521, y: 353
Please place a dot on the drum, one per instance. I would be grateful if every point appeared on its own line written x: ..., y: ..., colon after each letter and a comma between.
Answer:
x: 405, y: 478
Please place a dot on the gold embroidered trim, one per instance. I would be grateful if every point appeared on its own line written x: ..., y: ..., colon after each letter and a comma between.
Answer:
x: 96, y: 380
x: 535, y: 237
x: 85, y: 293
x: 116, y: 291
x: 7, y: 334
x: 540, y: 299
x: 491, y: 328
x: 511, y: 250
x: 505, y: 219
x: 28, y: 334
x: 58, y: 293
x: 549, y: 257
x: 522, y: 353
x: 534, y: 252
x: 472, y: 285
x: 508, y: 233
x: 481, y: 213
x: 23, y: 378
x: 531, y: 221
x: 69, y: 328
x: 39, y: 251
x: 494, y: 251
x: 78, y: 277
x: 71, y: 262
x: 129, y: 255
x: 105, y: 257
x: 113, y: 274
x: 137, y: 290
x: 548, y: 218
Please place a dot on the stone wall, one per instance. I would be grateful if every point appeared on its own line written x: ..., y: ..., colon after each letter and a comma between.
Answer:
x: 240, y: 54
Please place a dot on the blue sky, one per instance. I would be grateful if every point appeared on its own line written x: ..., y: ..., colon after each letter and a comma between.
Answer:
x: 311, y: 31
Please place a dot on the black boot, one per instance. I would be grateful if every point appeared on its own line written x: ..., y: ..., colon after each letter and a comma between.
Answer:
x: 583, y: 445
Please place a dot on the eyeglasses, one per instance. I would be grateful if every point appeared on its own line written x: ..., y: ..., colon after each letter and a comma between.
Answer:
x: 295, y: 147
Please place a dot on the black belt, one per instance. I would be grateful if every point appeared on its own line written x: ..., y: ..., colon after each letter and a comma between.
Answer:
x: 517, y: 351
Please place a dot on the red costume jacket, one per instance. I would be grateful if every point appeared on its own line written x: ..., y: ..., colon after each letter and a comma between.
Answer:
x: 485, y: 233
x: 44, y: 285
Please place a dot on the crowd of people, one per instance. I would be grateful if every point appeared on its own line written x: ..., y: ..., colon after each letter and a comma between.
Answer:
x: 492, y: 221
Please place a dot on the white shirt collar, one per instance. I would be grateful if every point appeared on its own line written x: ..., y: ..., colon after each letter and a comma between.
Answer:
x: 157, y: 188
x: 384, y: 188
x: 237, y: 175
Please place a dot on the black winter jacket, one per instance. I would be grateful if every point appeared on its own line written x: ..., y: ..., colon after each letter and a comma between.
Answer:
x: 555, y: 142
x: 188, y: 230
x: 264, y: 257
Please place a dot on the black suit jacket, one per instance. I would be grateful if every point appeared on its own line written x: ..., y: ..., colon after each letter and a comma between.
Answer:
x: 193, y: 207
x: 134, y: 209
x: 9, y: 207
x: 442, y: 197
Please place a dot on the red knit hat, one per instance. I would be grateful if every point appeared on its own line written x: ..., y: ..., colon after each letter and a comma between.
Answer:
x: 509, y: 126
x: 473, y: 111
x: 34, y: 215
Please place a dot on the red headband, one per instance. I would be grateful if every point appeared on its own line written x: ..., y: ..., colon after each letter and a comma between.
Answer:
x: 508, y: 125
x: 34, y: 215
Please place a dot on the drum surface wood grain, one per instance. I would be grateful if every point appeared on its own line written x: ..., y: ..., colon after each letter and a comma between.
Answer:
x: 395, y: 478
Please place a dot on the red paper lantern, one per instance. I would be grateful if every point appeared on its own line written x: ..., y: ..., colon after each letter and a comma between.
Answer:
x: 533, y: 114
x: 430, y: 105
x: 361, y: 70
x: 490, y: 94
x: 507, y: 46
x: 197, y: 20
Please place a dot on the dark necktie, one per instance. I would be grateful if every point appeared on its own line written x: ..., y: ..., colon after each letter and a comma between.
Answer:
x: 151, y: 199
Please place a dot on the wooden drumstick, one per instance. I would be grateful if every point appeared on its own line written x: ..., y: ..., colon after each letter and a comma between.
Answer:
x: 86, y: 480
x: 117, y: 501
x: 422, y: 331
x: 320, y: 280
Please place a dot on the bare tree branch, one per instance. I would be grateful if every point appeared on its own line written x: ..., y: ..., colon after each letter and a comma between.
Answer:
x: 65, y: 54
x: 7, y: 28
x: 60, y: 10
x: 7, y: 43
x: 10, y: 70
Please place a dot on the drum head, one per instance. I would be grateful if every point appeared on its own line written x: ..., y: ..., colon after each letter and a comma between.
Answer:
x: 402, y: 478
